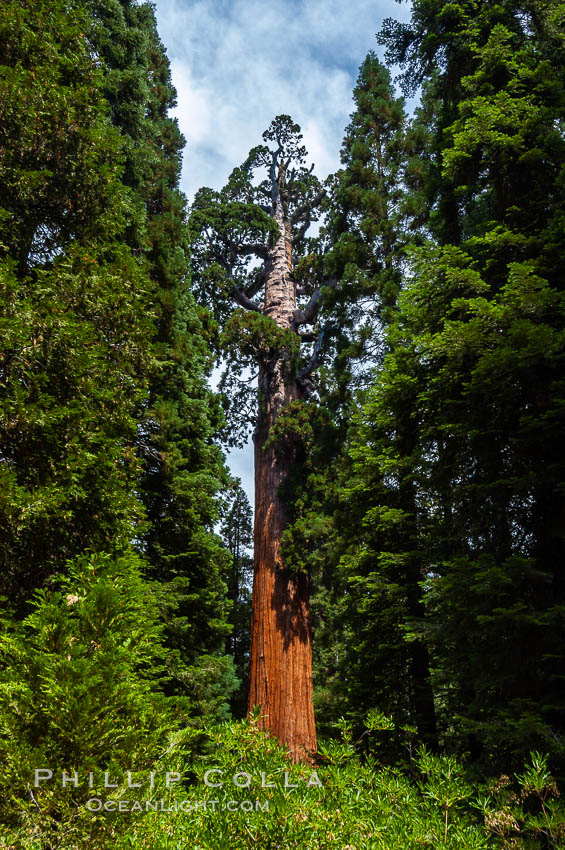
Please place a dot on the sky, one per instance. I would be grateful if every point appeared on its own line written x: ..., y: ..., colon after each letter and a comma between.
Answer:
x: 236, y: 64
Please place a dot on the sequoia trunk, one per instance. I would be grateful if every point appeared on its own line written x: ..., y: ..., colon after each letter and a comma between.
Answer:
x: 281, y: 632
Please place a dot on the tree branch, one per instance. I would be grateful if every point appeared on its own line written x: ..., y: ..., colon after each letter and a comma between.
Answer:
x: 316, y: 356
x: 256, y: 248
x: 243, y: 300
x: 299, y: 234
x: 257, y: 284
x: 307, y: 207
x: 306, y: 316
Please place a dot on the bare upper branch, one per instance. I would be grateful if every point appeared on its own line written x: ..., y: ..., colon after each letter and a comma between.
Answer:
x: 316, y: 356
x: 257, y: 248
x: 302, y: 212
x: 243, y: 300
x: 309, y: 313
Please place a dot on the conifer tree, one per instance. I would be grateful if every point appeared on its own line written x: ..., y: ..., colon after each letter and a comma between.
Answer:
x: 76, y: 323
x: 269, y: 222
x: 182, y: 467
x: 237, y: 533
x: 475, y: 372
x: 367, y: 220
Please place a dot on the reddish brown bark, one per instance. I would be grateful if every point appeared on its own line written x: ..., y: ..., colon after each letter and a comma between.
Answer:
x: 281, y: 632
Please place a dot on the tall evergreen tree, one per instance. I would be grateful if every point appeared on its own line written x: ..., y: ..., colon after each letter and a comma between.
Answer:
x: 237, y: 533
x: 475, y: 373
x: 182, y: 467
x: 269, y: 221
x: 76, y: 325
x: 367, y: 219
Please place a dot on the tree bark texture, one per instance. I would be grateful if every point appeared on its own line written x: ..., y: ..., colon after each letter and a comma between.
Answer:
x: 281, y: 631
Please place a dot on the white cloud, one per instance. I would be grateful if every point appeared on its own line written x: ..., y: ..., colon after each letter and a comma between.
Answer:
x: 240, y: 462
x: 238, y: 63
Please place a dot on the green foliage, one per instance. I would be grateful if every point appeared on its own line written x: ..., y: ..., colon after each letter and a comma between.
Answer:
x: 76, y: 306
x: 527, y: 813
x: 237, y: 533
x: 259, y: 798
x: 59, y: 156
x: 293, y: 432
x: 254, y: 338
x: 78, y: 692
x: 72, y: 371
x: 250, y: 341
x: 238, y: 222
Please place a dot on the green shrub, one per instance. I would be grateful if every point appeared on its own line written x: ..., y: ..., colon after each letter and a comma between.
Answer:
x: 79, y: 692
x: 259, y: 799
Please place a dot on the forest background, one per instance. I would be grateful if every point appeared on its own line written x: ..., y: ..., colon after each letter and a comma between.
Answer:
x: 425, y: 495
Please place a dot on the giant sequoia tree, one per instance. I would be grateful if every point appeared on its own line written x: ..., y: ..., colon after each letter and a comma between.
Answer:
x: 250, y: 238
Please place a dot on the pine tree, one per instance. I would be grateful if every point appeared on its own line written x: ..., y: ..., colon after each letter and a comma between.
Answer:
x: 76, y: 315
x: 237, y: 533
x: 475, y: 371
x: 182, y: 467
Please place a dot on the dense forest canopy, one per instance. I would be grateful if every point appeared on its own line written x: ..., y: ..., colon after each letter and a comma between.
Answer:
x: 392, y: 616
